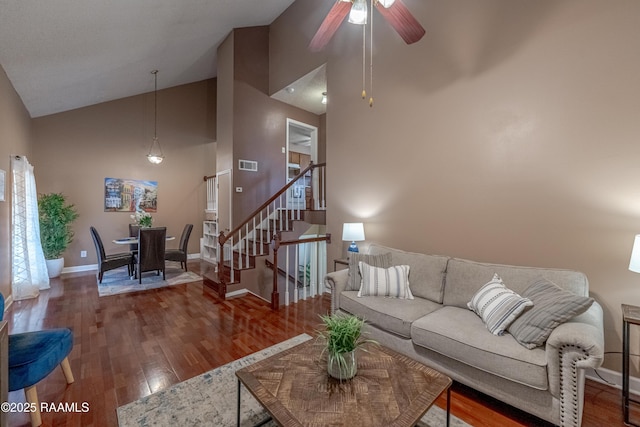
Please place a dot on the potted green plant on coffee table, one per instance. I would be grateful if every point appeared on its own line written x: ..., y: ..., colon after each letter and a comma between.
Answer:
x: 343, y: 335
x: 56, y: 217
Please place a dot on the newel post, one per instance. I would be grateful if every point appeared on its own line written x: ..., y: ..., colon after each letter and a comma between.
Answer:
x: 223, y: 284
x: 275, y: 296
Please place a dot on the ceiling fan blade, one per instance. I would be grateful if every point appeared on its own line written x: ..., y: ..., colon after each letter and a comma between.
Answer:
x: 402, y: 21
x: 330, y: 25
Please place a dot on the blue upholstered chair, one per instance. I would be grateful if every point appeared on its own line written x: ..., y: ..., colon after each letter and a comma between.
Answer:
x: 32, y: 356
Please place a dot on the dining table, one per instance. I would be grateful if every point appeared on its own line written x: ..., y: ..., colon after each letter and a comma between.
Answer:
x: 134, y: 240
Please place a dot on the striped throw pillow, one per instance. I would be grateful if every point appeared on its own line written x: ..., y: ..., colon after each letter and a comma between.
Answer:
x: 497, y: 305
x: 390, y: 282
x: 552, y: 307
x: 355, y: 278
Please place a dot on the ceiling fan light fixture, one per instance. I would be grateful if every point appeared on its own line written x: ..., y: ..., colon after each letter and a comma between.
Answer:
x: 358, y: 14
x: 387, y: 3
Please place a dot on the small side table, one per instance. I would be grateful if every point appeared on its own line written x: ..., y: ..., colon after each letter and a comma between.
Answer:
x: 343, y: 261
x: 630, y: 316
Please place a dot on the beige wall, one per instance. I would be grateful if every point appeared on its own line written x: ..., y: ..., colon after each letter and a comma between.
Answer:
x: 254, y: 124
x: 259, y: 134
x: 75, y: 151
x: 289, y: 36
x: 224, y: 155
x: 509, y: 134
x: 15, y: 139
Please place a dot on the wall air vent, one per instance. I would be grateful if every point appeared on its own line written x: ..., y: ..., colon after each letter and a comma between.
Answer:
x: 248, y: 165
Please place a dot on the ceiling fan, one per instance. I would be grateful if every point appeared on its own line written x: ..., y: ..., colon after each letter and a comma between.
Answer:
x: 393, y: 11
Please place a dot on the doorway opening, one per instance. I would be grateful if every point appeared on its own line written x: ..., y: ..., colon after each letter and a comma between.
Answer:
x: 301, y: 150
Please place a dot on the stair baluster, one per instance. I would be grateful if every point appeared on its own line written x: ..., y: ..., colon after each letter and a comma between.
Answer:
x: 287, y: 297
x: 275, y: 215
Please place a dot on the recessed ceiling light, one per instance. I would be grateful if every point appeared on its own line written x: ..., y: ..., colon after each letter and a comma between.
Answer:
x: 290, y: 89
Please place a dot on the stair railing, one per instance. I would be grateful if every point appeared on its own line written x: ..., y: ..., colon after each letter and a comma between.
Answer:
x: 253, y: 236
x: 212, y: 189
x: 308, y: 253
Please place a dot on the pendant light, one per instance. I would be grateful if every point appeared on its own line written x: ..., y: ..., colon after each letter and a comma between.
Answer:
x: 358, y: 14
x: 155, y: 155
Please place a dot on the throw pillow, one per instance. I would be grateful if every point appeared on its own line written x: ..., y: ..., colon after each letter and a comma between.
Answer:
x: 354, y: 279
x: 388, y: 282
x: 497, y: 305
x: 552, y: 306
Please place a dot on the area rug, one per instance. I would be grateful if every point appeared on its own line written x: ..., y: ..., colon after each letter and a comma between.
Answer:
x: 210, y: 400
x: 118, y: 281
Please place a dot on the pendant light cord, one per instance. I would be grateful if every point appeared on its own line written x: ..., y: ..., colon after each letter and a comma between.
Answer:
x: 155, y: 155
x: 155, y: 105
x: 371, y: 59
x: 364, y: 61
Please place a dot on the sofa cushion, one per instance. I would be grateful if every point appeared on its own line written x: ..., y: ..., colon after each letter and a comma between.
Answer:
x: 377, y: 260
x: 552, y: 306
x: 427, y: 271
x: 391, y: 314
x: 497, y: 305
x: 390, y: 282
x: 464, y: 278
x: 460, y: 334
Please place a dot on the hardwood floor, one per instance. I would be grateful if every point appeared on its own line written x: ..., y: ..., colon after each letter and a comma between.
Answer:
x: 129, y: 346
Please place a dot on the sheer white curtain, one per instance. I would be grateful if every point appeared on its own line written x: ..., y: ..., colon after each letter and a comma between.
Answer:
x: 29, y: 272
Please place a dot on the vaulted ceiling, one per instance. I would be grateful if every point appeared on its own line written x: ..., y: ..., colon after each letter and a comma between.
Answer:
x: 65, y: 54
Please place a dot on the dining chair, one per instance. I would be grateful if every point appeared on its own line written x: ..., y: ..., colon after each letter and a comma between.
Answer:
x: 151, y: 246
x: 112, y: 261
x: 133, y: 232
x: 32, y: 357
x: 180, y: 254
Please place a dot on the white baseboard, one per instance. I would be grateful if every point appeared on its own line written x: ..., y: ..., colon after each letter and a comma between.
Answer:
x: 239, y: 292
x: 78, y: 268
x: 244, y: 291
x: 613, y: 379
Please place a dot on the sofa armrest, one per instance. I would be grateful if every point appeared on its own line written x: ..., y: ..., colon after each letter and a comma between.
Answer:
x: 572, y: 347
x: 337, y: 282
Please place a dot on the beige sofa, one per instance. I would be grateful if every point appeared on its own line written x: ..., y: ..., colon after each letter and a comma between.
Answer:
x: 438, y: 329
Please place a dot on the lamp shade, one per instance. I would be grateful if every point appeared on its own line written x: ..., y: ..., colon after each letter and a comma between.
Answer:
x: 353, y: 232
x: 634, y: 263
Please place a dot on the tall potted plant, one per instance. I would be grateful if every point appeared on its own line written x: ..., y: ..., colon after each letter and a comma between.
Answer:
x: 56, y: 217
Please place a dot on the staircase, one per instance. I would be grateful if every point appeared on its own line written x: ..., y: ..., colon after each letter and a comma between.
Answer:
x: 246, y: 252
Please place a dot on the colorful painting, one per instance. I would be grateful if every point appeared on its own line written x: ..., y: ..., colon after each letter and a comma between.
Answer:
x: 130, y: 195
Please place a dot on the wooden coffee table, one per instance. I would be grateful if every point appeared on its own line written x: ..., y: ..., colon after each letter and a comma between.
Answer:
x: 390, y: 389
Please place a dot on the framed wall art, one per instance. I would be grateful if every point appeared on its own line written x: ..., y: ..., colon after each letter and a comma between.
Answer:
x: 130, y: 195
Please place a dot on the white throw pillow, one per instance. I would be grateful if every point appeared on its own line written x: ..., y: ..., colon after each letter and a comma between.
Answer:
x: 497, y: 305
x: 388, y: 282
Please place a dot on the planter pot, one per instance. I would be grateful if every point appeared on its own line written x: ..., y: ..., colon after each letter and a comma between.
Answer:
x: 342, y: 366
x: 54, y: 267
